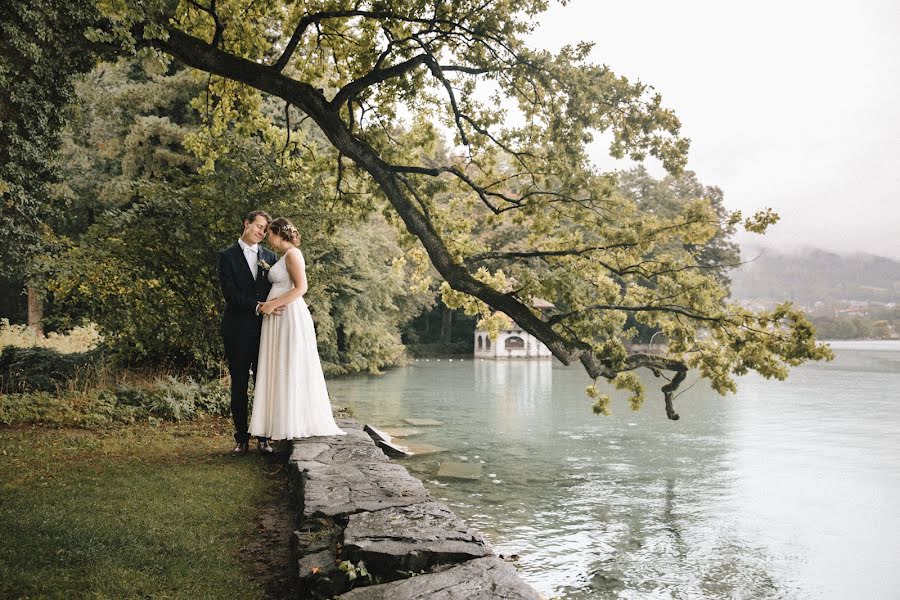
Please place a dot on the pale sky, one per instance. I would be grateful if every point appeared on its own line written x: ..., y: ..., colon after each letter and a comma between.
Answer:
x: 794, y: 105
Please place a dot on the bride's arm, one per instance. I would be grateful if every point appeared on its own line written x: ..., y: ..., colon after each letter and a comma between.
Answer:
x: 296, y: 269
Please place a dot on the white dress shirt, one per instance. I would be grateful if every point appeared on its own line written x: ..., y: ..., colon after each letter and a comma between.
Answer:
x: 250, y: 253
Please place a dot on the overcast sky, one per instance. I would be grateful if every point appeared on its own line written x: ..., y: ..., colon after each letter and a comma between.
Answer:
x: 793, y: 105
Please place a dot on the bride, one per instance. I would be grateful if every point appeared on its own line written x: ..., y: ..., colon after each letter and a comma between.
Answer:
x: 290, y: 398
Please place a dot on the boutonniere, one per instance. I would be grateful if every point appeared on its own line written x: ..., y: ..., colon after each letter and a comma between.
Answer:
x: 263, y: 265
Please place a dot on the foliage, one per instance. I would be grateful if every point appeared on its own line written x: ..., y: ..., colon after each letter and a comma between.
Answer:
x: 667, y: 197
x: 168, y: 399
x: 123, y: 132
x: 139, y: 253
x: 386, y: 81
x: 46, y: 370
x: 354, y: 571
x: 360, y: 297
x: 43, y: 49
x: 857, y: 328
x: 126, y: 127
x: 147, y: 274
x: 173, y: 399
x: 79, y: 339
x: 139, y: 511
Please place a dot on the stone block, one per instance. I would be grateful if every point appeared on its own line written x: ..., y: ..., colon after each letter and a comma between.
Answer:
x: 481, y: 579
x: 377, y: 434
x: 410, y: 538
x: 385, y: 442
x: 314, y: 554
x: 394, y: 450
x: 341, y: 489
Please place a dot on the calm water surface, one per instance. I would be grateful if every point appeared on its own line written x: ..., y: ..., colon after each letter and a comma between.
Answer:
x: 784, y: 490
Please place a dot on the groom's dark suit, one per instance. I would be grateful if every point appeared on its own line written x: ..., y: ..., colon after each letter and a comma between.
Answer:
x: 241, y: 325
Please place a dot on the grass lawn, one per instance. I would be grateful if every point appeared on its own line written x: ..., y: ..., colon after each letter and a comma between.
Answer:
x: 133, y: 512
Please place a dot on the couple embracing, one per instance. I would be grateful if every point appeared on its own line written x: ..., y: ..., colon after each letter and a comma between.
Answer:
x: 268, y: 329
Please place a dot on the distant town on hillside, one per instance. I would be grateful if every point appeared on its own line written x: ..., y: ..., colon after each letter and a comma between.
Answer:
x: 851, y: 296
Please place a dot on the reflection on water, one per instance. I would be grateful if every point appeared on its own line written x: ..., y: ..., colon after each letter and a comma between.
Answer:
x: 787, y: 490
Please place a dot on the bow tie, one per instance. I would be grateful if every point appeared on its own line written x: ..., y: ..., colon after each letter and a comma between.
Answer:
x: 254, y: 249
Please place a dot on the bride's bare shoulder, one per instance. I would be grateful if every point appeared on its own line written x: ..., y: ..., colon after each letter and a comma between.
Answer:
x: 293, y: 255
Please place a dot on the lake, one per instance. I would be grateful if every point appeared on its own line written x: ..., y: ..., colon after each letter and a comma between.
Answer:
x: 783, y: 490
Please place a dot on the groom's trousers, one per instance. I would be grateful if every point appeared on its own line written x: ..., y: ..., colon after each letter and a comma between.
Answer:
x: 241, y: 352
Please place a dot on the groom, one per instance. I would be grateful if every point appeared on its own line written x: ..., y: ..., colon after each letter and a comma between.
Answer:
x: 243, y: 269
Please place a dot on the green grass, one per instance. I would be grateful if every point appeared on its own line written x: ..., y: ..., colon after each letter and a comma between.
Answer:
x: 133, y: 512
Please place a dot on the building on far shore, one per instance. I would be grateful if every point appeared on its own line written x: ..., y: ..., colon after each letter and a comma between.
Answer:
x: 513, y: 341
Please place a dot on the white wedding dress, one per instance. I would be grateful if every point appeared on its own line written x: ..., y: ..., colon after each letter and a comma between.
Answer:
x: 290, y: 398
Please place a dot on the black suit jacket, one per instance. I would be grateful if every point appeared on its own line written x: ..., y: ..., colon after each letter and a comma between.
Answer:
x: 241, y: 290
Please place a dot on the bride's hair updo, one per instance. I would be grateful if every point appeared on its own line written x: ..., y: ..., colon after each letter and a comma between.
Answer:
x: 284, y: 229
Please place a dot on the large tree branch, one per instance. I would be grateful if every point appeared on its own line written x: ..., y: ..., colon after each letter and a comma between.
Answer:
x: 311, y: 19
x: 318, y: 17
x: 439, y: 75
x: 195, y: 53
x: 200, y: 55
x: 374, y: 77
x: 666, y: 308
x: 512, y: 255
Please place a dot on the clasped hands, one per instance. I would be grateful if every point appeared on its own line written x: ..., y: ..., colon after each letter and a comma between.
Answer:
x: 265, y: 308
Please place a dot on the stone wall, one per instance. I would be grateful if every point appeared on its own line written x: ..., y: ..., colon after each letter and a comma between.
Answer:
x: 367, y: 529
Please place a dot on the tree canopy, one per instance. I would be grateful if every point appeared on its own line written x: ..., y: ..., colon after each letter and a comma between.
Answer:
x: 441, y: 115
x: 136, y: 253
x: 43, y: 49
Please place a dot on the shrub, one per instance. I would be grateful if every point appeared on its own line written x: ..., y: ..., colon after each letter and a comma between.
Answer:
x: 78, y: 339
x: 175, y: 400
x: 39, y: 369
x: 167, y: 399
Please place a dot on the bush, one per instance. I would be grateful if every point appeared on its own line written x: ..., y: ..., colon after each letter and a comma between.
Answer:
x: 168, y: 399
x: 78, y: 339
x: 175, y: 400
x: 147, y: 274
x: 45, y: 370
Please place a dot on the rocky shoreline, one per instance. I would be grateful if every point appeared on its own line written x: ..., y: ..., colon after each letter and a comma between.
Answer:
x: 367, y: 529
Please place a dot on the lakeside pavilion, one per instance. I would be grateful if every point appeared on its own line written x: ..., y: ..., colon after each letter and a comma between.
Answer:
x: 513, y: 341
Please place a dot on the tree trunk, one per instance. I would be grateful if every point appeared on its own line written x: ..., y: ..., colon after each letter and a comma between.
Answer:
x: 446, y: 325
x: 35, y: 311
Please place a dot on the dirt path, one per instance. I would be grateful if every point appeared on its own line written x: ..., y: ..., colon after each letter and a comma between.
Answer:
x: 269, y: 549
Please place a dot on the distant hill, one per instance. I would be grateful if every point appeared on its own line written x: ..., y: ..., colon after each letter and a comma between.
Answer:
x: 808, y: 276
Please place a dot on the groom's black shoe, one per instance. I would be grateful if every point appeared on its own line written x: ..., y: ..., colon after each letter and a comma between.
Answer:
x: 240, y: 449
x: 265, y: 447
